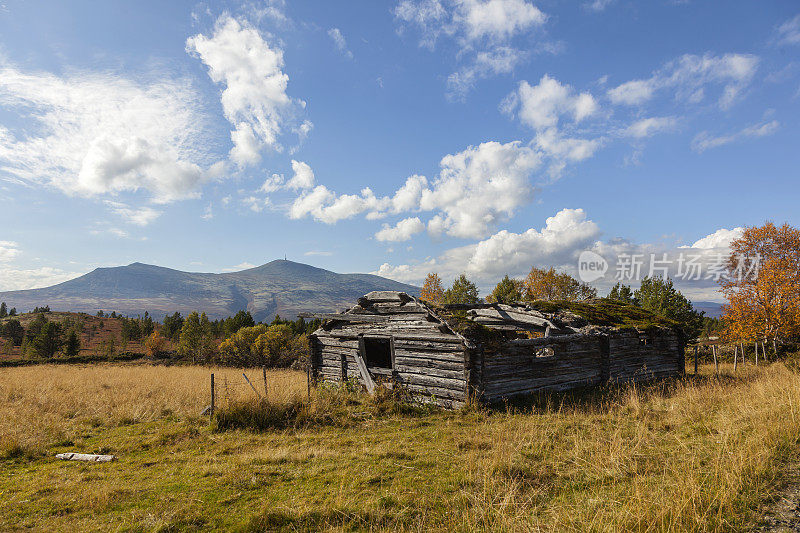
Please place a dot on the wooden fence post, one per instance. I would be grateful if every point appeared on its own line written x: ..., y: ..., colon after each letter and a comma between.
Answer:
x: 756, y: 349
x: 716, y: 364
x: 744, y: 361
x: 264, y: 372
x: 735, y: 356
x: 212, y: 394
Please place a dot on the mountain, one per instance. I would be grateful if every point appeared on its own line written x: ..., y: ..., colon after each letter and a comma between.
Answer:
x: 712, y: 309
x: 279, y: 287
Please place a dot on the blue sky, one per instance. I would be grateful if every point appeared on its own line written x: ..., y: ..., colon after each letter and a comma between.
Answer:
x: 477, y: 136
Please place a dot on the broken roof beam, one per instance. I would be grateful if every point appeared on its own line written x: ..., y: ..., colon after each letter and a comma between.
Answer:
x: 385, y: 296
x: 345, y: 317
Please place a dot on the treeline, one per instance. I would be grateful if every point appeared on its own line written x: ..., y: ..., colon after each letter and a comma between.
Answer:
x: 278, y: 344
x: 43, y: 338
x: 539, y: 284
x: 657, y: 295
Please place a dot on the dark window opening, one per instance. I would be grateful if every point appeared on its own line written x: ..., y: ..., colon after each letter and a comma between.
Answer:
x: 378, y: 352
x: 644, y: 341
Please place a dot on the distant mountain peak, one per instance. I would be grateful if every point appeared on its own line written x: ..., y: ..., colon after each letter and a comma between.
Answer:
x: 280, y: 287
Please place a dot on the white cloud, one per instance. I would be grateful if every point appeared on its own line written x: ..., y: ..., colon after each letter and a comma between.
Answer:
x: 788, y: 33
x: 341, y: 44
x: 255, y: 204
x: 704, y: 140
x: 632, y: 92
x: 140, y: 216
x: 208, y: 213
x: 647, y: 127
x: 719, y: 239
x: 98, y: 133
x: 8, y: 250
x: 598, y: 5
x: 540, y: 106
x: 480, y: 185
x: 559, y: 242
x: 402, y: 231
x: 501, y: 60
x: 322, y: 253
x: 303, y: 176
x: 482, y: 29
x: 241, y: 266
x: 254, y: 99
x: 12, y: 279
x: 272, y: 184
x: 688, y: 77
x: 474, y: 190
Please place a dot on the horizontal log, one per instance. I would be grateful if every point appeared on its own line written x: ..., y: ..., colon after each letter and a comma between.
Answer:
x: 405, y: 370
x: 387, y: 296
x: 456, y: 384
x: 345, y: 317
x: 422, y: 363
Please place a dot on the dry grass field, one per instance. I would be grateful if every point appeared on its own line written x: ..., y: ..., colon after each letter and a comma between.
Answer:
x: 698, y: 454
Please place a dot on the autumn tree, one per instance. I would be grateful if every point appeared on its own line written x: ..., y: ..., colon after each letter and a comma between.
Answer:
x: 432, y: 290
x: 509, y: 290
x: 280, y: 347
x: 549, y: 284
x: 463, y: 291
x: 237, y: 350
x: 155, y: 344
x: 762, y: 285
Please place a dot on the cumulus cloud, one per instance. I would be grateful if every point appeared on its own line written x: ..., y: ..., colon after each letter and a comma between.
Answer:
x: 719, y: 239
x: 704, y: 140
x: 482, y: 29
x: 541, y: 106
x: 303, y: 177
x: 473, y: 191
x: 254, y: 100
x: 99, y: 133
x: 402, y: 231
x: 688, y: 77
x: 647, y: 127
x: 559, y: 242
x: 340, y: 42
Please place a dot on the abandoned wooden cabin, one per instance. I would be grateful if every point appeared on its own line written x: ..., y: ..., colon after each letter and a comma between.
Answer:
x: 490, y: 352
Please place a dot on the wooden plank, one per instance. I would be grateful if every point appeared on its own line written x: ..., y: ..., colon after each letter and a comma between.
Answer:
x: 362, y: 366
x: 387, y: 296
x: 345, y: 317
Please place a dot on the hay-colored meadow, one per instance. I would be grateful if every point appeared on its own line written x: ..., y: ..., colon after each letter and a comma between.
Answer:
x: 702, y: 453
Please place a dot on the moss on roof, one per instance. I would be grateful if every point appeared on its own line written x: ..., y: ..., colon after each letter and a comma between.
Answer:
x: 606, y: 312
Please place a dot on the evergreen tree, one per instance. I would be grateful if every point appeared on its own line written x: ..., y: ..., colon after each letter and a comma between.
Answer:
x: 507, y: 291
x: 13, y: 330
x: 3, y: 310
x: 622, y: 293
x: 72, y: 347
x: 463, y: 291
x: 48, y: 341
x: 13, y: 312
x: 172, y: 326
x: 35, y: 327
x: 660, y: 297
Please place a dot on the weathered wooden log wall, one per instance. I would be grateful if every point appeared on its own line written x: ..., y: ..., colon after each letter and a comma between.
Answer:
x: 435, y: 364
x: 428, y: 362
x: 553, y: 363
x: 645, y: 356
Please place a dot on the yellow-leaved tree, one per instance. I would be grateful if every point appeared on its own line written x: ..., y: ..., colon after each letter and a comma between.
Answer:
x: 549, y: 284
x: 762, y: 285
x: 432, y: 290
